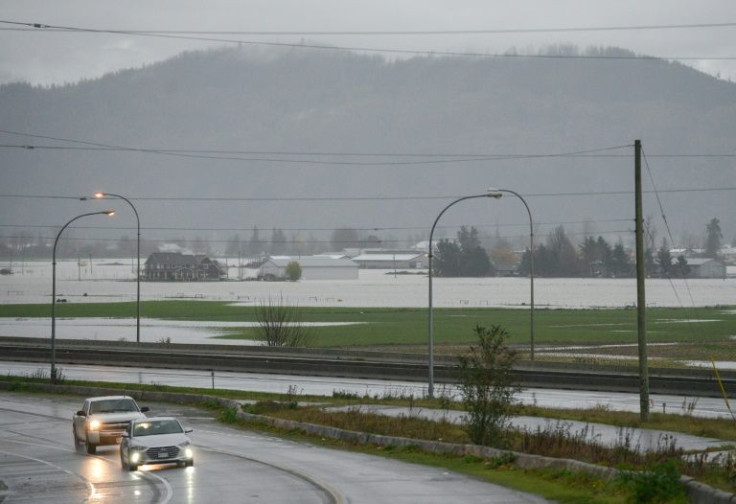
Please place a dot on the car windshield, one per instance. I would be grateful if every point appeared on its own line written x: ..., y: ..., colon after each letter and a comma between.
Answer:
x: 112, y: 406
x: 155, y: 427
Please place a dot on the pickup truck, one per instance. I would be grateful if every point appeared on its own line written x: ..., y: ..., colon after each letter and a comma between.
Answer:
x: 103, y: 420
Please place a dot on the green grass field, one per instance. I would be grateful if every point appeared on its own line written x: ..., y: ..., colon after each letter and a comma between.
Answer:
x: 409, y: 326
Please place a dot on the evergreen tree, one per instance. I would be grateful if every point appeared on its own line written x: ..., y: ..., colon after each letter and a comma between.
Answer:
x: 256, y: 246
x: 446, y: 259
x: 681, y: 269
x: 233, y: 247
x: 620, y: 265
x: 664, y: 260
x: 343, y: 238
x: 713, y: 238
x: 545, y: 262
x: 605, y: 252
x: 278, y: 242
x: 464, y: 257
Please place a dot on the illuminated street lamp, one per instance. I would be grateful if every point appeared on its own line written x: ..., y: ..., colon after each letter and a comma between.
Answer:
x: 53, y: 288
x: 489, y: 194
x: 101, y: 195
x: 531, y: 266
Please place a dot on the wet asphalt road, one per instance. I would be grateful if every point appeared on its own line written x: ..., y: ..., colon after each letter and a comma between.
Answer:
x: 39, y: 464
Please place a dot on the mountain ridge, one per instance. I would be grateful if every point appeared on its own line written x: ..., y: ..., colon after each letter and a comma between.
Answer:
x: 262, y: 107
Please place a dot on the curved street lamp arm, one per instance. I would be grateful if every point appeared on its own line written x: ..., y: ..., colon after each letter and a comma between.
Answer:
x: 138, y: 261
x: 430, y: 387
x: 531, y: 268
x: 53, y: 287
x: 104, y: 194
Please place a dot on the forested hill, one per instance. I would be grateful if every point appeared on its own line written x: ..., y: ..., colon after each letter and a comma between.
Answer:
x: 269, y: 112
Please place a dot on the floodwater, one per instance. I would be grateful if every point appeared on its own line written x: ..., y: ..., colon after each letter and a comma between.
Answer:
x: 114, y: 280
x: 191, y: 332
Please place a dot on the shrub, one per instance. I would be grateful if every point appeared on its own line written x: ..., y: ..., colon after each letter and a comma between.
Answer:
x: 280, y: 325
x: 486, y: 386
x: 661, y: 484
x: 293, y: 271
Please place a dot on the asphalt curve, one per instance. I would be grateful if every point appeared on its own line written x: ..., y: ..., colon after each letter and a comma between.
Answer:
x: 38, y: 463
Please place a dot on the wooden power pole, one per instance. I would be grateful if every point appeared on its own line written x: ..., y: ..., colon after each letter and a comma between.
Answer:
x: 641, y: 304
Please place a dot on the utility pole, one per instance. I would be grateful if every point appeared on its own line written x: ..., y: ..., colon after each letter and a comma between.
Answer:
x: 641, y: 304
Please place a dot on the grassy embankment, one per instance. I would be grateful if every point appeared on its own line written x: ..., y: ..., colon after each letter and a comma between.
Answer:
x: 700, y: 333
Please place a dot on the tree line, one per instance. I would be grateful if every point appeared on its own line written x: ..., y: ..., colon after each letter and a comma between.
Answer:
x: 557, y: 256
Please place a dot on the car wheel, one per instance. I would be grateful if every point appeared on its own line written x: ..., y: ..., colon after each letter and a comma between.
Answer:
x: 122, y: 462
x: 91, y: 448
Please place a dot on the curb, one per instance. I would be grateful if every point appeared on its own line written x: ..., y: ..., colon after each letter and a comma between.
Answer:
x: 700, y: 493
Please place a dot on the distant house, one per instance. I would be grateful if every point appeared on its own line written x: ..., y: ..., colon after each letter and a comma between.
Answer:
x: 391, y: 259
x: 313, y: 268
x: 175, y: 266
x: 706, y: 268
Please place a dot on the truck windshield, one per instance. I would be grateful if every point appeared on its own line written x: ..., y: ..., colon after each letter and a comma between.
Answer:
x: 112, y: 405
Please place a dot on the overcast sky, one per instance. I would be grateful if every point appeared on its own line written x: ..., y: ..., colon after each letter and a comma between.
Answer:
x: 44, y: 57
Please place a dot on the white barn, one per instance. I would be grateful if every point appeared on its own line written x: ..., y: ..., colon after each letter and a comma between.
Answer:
x: 386, y: 259
x: 313, y: 268
x: 706, y: 268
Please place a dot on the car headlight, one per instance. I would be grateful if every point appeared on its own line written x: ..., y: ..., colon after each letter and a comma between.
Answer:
x: 94, y: 424
x: 187, y: 449
x: 135, y: 457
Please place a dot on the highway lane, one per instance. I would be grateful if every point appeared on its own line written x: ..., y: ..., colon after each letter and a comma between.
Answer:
x: 39, y: 464
x: 326, y: 386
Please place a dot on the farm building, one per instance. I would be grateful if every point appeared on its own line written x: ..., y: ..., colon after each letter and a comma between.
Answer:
x: 390, y: 259
x: 313, y: 268
x: 706, y: 268
x: 168, y: 266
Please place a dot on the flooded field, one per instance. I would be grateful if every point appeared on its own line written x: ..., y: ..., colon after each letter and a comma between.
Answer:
x: 110, y: 280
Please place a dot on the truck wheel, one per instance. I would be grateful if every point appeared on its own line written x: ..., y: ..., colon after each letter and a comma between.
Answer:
x: 91, y: 448
x: 76, y: 439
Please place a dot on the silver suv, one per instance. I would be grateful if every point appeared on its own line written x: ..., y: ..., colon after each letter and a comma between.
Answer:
x: 103, y: 420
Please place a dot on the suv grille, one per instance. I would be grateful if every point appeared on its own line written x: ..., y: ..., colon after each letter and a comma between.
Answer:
x: 163, y: 452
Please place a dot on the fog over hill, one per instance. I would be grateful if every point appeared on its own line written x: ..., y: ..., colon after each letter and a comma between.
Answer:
x: 307, y: 142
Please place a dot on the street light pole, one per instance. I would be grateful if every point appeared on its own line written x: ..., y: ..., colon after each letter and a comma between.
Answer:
x: 531, y: 276
x: 53, y: 288
x: 490, y: 194
x: 100, y: 195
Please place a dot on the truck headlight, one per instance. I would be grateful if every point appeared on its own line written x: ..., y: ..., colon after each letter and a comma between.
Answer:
x: 94, y: 424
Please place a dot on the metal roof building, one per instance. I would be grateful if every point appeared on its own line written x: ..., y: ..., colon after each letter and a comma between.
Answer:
x: 387, y: 259
x: 313, y: 268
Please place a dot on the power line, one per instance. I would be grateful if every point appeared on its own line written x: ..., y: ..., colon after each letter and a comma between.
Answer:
x: 470, y: 157
x: 491, y: 31
x: 372, y: 228
x: 290, y: 241
x: 303, y: 45
x: 227, y: 155
x: 372, y: 198
x: 85, y: 145
x: 669, y: 231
